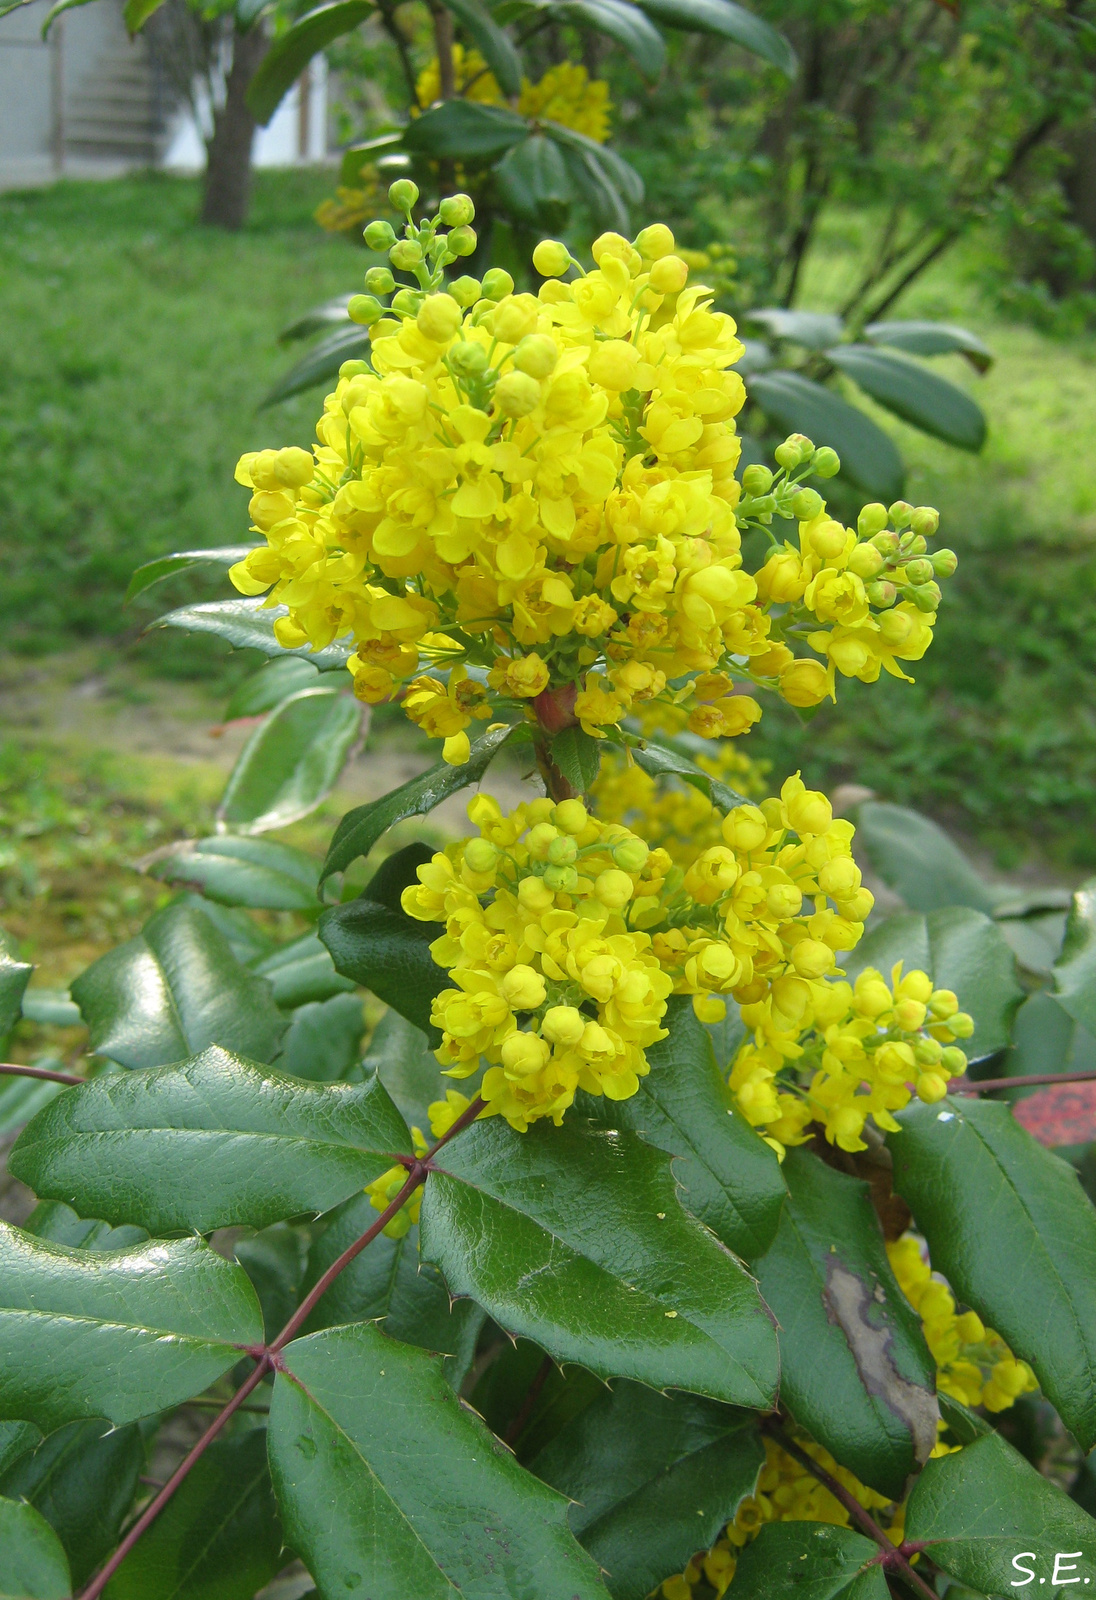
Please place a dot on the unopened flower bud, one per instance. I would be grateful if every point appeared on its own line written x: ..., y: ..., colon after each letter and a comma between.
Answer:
x: 497, y: 284
x: 931, y: 1087
x: 523, y: 988
x: 467, y: 359
x: 961, y: 1025
x: 926, y: 596
x: 562, y: 851
x: 654, y: 242
x: 806, y: 504
x: 378, y: 280
x: 406, y: 302
x: 551, y: 258
x: 562, y: 879
x: 944, y: 563
x: 872, y: 520
x: 631, y: 854
x: 925, y: 520
x: 954, y: 1061
x: 571, y: 816
x: 899, y: 514
x: 465, y: 291
x: 380, y: 235
x: 563, y: 1025
x: 919, y: 571
x: 406, y: 254
x: 457, y: 210
x: 537, y: 355
x: 757, y: 479
x: 826, y: 463
x: 613, y: 888
x: 796, y: 449
x: 881, y: 594
x: 669, y: 274
x: 865, y: 560
x: 439, y: 318
x: 461, y: 241
x: 516, y: 394
x: 887, y: 543
x: 364, y: 309
x: 403, y: 194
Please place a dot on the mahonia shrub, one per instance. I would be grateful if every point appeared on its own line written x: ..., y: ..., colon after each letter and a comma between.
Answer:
x: 723, y: 1270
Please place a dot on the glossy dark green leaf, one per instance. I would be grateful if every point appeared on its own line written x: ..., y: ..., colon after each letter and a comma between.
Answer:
x: 534, y: 182
x: 729, y: 21
x: 388, y: 952
x: 465, y: 129
x: 598, y: 193
x: 652, y: 1479
x: 32, y: 1558
x: 960, y: 949
x: 575, y: 1238
x: 613, y: 167
x: 290, y: 54
x: 82, y: 1479
x: 247, y: 941
x: 274, y: 682
x: 320, y: 365
x: 625, y: 23
x: 126, y: 1147
x: 501, y: 1395
x: 918, y: 860
x: 578, y: 757
x: 920, y: 397
x: 372, y: 1518
x: 814, y: 329
x: 218, y: 1538
x: 810, y: 1561
x: 292, y: 761
x: 181, y: 561
x: 300, y: 972
x: 869, y: 456
x: 240, y: 872
x: 55, y: 1007
x: 389, y: 1284
x: 856, y: 1372
x: 171, y: 991
x: 401, y: 1056
x: 14, y: 977
x: 324, y: 1039
x: 58, y: 1223
x: 397, y: 872
x: 274, y: 1260
x: 16, y: 1438
x: 248, y: 624
x: 932, y: 339
x: 1035, y: 940
x: 492, y: 43
x: 23, y: 1098
x: 659, y: 760
x: 1011, y: 1229
x: 323, y: 316
x: 360, y: 829
x: 977, y: 1509
x: 1075, y: 969
x: 1045, y: 1038
x: 728, y: 1175
x: 118, y: 1334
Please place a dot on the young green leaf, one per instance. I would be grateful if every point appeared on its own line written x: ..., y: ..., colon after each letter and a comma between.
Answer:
x: 218, y: 1538
x: 32, y: 1558
x: 181, y: 561
x: 659, y: 760
x: 989, y: 1520
x: 1011, y: 1229
x: 729, y: 1177
x: 918, y: 860
x: 14, y: 977
x: 960, y: 949
x: 389, y: 1488
x: 240, y: 872
x: 389, y: 1284
x: 248, y: 624
x: 389, y: 952
x: 171, y: 991
x: 920, y: 397
x: 1075, y: 969
x: 267, y: 1146
x: 652, y: 1478
x: 248, y: 942
x: 82, y: 1479
x: 578, y: 757
x: 360, y: 829
x: 324, y: 1039
x: 300, y: 972
x: 810, y: 1561
x: 869, y: 456
x: 575, y: 1238
x: 290, y: 54
x: 292, y: 761
x: 119, y: 1334
x: 856, y: 1372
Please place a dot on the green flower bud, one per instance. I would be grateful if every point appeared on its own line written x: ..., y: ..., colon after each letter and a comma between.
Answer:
x: 796, y: 449
x: 872, y: 520
x: 380, y: 235
x: 919, y: 571
x: 406, y: 254
x: 925, y: 596
x: 480, y: 855
x: 944, y: 563
x: 900, y: 513
x: 517, y: 394
x: 468, y: 360
x: 561, y: 878
x: 866, y: 560
x: 461, y: 241
x: 354, y: 369
x: 563, y: 851
x: 465, y: 291
x: 630, y: 855
x: 457, y: 210
x: 403, y: 195
x: 757, y: 479
x: 826, y: 463
x: 537, y: 355
x: 955, y: 1060
x: 364, y: 309
x: 806, y: 504
x: 378, y: 280
x: 406, y: 302
x: 881, y: 594
x: 925, y: 520
x: 551, y: 258
x: 497, y: 284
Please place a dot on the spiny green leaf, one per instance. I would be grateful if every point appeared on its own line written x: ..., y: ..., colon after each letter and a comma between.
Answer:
x: 578, y: 757
x: 240, y: 872
x: 292, y: 761
x: 575, y: 1238
x: 16, y: 1438
x: 810, y: 1561
x: 372, y: 1518
x: 274, y: 682
x: 181, y: 561
x: 288, y: 56
x: 32, y: 1558
x: 120, y: 1334
x: 171, y: 991
x: 58, y: 1223
x: 400, y: 1055
x: 267, y: 1146
x: 274, y: 1260
x: 388, y: 952
x: 248, y: 624
x: 659, y: 760
x: 856, y: 1372
x: 1011, y: 1229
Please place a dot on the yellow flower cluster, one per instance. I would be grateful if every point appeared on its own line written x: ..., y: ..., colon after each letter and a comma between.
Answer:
x: 535, y: 495
x: 566, y: 935
x: 565, y: 94
x: 858, y: 1050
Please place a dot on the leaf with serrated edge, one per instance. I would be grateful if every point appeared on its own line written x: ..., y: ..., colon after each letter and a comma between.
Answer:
x: 810, y: 1561
x: 181, y: 561
x: 1011, y: 1229
x: 120, y: 1334
x: 172, y: 990
x: 400, y: 1054
x: 360, y: 829
x: 267, y: 1146
x: 651, y: 1478
x: 32, y: 1559
x: 258, y: 873
x: 371, y: 1517
x: 659, y: 761
x: 575, y: 1238
x: 978, y: 1508
x: 389, y: 952
x: 292, y: 760
x: 578, y: 757
x: 248, y: 624
x: 857, y: 1373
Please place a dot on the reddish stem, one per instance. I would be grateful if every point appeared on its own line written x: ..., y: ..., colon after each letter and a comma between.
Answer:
x: 525, y: 1410
x: 1029, y: 1081
x: 16, y: 1070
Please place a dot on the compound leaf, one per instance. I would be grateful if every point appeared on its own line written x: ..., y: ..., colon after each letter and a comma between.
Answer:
x: 919, y: 397
x: 869, y: 457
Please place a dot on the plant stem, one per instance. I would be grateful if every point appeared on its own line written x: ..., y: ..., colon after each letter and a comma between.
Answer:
x: 892, y: 1557
x: 16, y: 1070
x: 1029, y: 1081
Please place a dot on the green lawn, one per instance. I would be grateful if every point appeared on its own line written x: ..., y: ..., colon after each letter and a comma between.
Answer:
x: 135, y: 345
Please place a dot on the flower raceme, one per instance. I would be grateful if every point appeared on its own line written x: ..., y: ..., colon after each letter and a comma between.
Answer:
x: 565, y: 937
x: 527, y: 494
x: 565, y: 94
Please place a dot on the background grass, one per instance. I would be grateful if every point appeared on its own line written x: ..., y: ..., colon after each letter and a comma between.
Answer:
x: 134, y: 347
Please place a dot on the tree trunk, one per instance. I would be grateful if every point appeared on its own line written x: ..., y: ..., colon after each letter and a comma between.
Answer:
x: 228, y: 154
